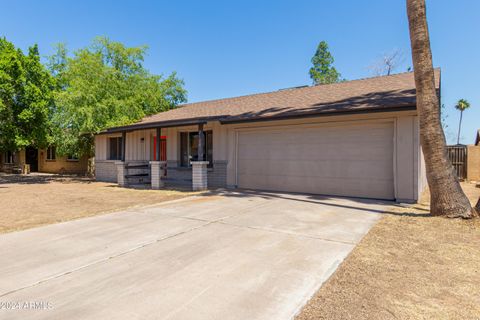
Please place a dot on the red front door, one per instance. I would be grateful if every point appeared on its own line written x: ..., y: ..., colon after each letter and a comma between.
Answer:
x: 163, y: 148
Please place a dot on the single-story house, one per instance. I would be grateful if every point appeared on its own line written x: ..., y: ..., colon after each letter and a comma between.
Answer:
x: 356, y: 138
x: 42, y: 160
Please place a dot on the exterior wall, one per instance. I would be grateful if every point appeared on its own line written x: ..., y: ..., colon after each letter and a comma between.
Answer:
x: 409, y: 170
x: 217, y: 177
x: 473, y: 163
x: 19, y: 161
x: 61, y: 164
x: 105, y: 171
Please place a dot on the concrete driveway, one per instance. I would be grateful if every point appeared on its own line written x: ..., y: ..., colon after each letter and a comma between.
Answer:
x: 228, y: 255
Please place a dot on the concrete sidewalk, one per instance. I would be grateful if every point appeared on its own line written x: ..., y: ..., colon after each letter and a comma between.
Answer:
x: 230, y: 255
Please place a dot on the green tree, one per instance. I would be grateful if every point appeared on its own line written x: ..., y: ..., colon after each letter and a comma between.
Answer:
x: 105, y: 85
x: 461, y: 105
x: 26, y: 98
x: 323, y: 71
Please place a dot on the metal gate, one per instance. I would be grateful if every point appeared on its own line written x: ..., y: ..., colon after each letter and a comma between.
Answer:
x: 458, y: 157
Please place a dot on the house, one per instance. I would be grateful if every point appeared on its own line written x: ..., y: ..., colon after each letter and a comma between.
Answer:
x: 473, y: 160
x: 357, y: 138
x: 42, y: 160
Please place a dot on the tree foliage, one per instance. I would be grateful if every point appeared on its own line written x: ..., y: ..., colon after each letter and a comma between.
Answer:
x: 323, y: 71
x: 461, y: 106
x: 26, y: 98
x: 105, y: 85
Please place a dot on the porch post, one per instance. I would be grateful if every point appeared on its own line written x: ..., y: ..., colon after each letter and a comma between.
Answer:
x: 201, y: 142
x: 120, y: 165
x: 124, y: 144
x: 157, y: 167
x: 199, y: 167
x: 158, y: 144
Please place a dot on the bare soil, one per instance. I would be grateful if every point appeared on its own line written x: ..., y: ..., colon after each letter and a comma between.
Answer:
x: 28, y: 201
x: 409, y: 266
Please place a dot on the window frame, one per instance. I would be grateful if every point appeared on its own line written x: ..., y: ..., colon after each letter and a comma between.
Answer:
x: 8, y: 157
x: 118, y: 152
x: 72, y: 158
x: 49, y: 152
x: 185, y: 141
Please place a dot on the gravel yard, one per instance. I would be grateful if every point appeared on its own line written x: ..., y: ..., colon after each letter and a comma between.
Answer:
x: 28, y: 201
x: 409, y: 266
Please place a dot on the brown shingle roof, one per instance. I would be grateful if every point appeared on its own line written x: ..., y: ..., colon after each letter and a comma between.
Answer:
x: 383, y: 93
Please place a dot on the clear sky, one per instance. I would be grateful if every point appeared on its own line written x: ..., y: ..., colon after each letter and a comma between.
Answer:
x: 229, y: 48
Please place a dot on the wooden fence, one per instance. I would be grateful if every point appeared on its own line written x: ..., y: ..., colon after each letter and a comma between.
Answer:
x: 458, y: 157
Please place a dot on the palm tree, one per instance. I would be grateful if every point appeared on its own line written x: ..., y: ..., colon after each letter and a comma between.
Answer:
x: 447, y: 197
x: 461, y: 105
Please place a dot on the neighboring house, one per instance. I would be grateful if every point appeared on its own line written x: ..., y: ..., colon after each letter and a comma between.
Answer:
x: 473, y: 160
x: 357, y: 138
x: 42, y: 160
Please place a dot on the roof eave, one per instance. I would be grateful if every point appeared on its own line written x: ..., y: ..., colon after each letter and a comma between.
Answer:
x: 319, y: 114
x: 224, y: 120
x: 157, y: 124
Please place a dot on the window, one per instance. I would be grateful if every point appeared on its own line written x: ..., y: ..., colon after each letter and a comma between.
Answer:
x: 8, y: 157
x: 51, y: 153
x: 72, y: 157
x: 189, y: 148
x: 115, y: 148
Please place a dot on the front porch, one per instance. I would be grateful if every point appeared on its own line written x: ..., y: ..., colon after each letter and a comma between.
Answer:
x: 183, y: 158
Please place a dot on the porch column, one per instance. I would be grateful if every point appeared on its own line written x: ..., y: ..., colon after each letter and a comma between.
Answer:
x: 157, y: 167
x: 201, y: 142
x: 120, y: 165
x: 124, y: 144
x: 199, y: 168
x: 158, y: 145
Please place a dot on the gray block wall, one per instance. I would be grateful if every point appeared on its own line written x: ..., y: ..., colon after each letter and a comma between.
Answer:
x: 105, y: 171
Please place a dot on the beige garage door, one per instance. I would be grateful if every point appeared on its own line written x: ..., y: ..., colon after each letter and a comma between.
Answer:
x: 347, y: 160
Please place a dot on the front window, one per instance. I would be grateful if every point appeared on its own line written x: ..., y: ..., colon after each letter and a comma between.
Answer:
x: 72, y: 157
x: 51, y: 153
x: 189, y: 148
x: 115, y: 148
x: 8, y: 157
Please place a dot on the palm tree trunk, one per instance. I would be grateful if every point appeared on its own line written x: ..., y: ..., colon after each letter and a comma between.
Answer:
x: 447, y: 197
x: 459, y: 127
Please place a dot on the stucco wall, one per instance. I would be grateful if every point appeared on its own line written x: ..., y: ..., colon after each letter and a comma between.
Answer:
x: 19, y: 161
x: 473, y: 163
x: 61, y: 164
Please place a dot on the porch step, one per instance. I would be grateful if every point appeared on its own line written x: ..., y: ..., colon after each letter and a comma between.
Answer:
x: 136, y: 175
x: 137, y: 166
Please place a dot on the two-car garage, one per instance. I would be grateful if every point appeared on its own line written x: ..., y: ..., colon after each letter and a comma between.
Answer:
x: 345, y: 159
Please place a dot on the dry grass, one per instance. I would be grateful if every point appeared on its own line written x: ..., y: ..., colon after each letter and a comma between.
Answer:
x: 409, y: 266
x: 35, y: 200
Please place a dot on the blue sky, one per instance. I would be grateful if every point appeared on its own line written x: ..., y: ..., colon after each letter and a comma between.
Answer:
x: 229, y: 48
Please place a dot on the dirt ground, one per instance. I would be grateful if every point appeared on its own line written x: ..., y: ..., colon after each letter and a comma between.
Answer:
x: 409, y: 266
x: 39, y: 199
